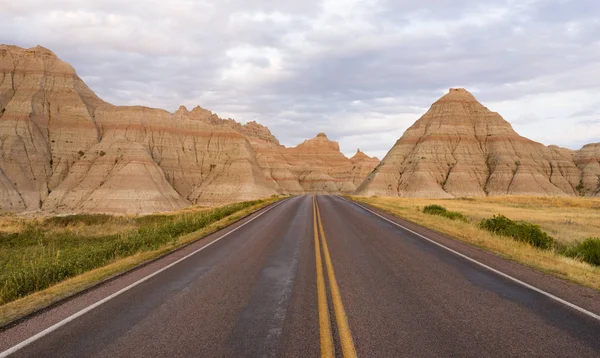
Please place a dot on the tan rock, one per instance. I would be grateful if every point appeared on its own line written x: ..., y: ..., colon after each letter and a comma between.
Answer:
x: 117, y: 176
x: 46, y: 118
x: 362, y: 166
x: 588, y: 161
x: 460, y: 148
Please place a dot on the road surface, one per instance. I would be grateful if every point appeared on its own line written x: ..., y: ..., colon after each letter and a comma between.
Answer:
x: 324, y: 277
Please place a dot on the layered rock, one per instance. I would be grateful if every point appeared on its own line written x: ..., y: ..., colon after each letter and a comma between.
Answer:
x: 63, y: 149
x: 362, y: 166
x: 459, y: 148
x: 117, y: 176
x: 46, y: 115
x: 51, y: 123
x: 314, y: 166
x: 588, y: 161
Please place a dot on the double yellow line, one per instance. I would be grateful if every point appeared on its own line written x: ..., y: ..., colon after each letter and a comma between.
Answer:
x: 327, y: 347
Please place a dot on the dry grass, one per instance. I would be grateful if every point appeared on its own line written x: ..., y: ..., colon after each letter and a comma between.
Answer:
x: 38, y: 300
x: 572, y: 218
x: 566, y: 219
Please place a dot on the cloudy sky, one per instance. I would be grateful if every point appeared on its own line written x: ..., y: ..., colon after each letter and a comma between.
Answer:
x: 360, y: 70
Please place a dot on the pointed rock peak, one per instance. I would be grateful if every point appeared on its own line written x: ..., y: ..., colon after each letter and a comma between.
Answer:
x: 199, y: 109
x: 361, y: 156
x: 254, y: 124
x: 257, y: 130
x: 320, y: 142
x: 457, y: 95
x: 204, y: 115
x: 182, y: 109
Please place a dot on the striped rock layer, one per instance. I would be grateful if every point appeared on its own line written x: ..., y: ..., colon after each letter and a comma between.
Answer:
x: 459, y: 148
x: 63, y: 149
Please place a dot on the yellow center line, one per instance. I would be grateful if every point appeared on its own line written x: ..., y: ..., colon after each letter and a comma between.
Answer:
x: 338, y: 308
x: 327, y: 350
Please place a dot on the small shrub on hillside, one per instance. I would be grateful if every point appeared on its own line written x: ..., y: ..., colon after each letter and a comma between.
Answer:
x: 442, y: 211
x: 588, y: 251
x: 519, y: 230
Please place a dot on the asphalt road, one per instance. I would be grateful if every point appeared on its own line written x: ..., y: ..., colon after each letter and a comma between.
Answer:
x: 324, y: 277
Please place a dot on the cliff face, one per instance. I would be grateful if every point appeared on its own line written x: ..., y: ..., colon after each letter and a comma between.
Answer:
x: 63, y: 149
x: 459, y: 148
x: 47, y: 116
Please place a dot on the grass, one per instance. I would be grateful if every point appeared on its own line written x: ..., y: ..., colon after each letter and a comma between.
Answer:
x: 45, y: 259
x: 565, y: 260
x: 567, y: 219
x: 588, y: 251
x: 442, y: 211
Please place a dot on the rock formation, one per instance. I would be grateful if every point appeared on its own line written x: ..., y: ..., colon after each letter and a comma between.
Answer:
x: 588, y: 161
x: 459, y: 148
x: 63, y: 149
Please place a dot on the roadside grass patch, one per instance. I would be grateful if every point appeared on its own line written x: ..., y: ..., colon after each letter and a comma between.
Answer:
x: 442, y: 211
x: 36, y: 257
x: 84, y: 219
x: 587, y: 250
x: 519, y: 230
x: 569, y: 220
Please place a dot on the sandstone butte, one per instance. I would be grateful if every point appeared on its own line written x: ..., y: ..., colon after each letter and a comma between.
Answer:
x: 64, y: 150
x: 459, y: 148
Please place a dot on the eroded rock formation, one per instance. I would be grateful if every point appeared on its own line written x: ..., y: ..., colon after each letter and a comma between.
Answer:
x: 459, y: 148
x: 63, y: 149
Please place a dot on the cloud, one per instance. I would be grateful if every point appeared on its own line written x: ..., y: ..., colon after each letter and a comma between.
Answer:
x: 362, y: 71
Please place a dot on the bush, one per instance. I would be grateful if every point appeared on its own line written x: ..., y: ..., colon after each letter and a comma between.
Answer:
x: 519, y: 230
x: 442, y: 211
x: 588, y: 251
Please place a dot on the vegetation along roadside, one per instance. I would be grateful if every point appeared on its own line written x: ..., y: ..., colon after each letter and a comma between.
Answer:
x: 554, y: 235
x: 45, y: 260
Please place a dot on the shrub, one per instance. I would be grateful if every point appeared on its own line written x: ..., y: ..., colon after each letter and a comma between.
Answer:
x: 442, y: 211
x: 588, y: 251
x: 519, y: 230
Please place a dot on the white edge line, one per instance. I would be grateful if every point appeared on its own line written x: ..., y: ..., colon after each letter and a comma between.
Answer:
x: 547, y: 294
x: 56, y: 326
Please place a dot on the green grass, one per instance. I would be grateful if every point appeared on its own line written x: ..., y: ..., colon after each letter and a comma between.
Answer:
x: 42, y: 255
x: 442, y: 211
x: 519, y: 230
x: 84, y: 219
x: 588, y: 251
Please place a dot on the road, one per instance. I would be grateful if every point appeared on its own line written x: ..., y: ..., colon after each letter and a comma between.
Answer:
x: 324, y: 277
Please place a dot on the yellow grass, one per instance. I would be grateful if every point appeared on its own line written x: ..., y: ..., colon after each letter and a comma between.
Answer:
x: 568, y: 219
x: 38, y: 300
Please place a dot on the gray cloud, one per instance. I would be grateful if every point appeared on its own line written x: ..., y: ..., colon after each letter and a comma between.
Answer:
x: 362, y: 71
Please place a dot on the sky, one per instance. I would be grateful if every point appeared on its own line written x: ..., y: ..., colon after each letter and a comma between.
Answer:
x: 361, y: 71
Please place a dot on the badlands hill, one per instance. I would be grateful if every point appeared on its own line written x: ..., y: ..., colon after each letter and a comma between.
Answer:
x: 459, y: 148
x: 63, y: 149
